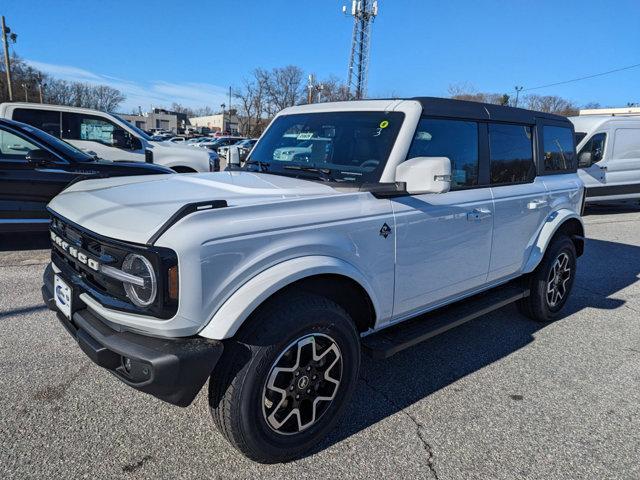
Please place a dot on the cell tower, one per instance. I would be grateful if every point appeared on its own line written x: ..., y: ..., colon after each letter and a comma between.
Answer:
x: 364, y: 13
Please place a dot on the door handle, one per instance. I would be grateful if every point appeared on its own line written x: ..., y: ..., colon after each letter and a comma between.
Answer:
x: 478, y: 214
x: 535, y: 204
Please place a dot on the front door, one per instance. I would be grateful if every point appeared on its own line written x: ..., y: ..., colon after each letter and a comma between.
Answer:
x: 443, y: 241
x: 623, y: 166
x: 25, y: 189
x: 93, y: 133
x: 590, y: 162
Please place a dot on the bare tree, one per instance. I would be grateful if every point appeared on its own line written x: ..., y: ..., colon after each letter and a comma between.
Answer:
x: 550, y: 104
x: 333, y: 90
x: 284, y: 87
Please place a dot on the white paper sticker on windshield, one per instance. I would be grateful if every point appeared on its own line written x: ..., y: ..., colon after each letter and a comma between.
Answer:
x: 305, y: 136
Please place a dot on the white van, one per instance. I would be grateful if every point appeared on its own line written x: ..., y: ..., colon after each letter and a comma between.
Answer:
x: 608, y: 145
x: 109, y: 136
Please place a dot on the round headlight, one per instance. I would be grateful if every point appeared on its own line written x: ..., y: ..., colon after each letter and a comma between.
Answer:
x: 137, y: 265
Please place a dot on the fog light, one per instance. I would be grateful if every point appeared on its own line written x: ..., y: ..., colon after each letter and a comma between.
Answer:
x: 126, y: 363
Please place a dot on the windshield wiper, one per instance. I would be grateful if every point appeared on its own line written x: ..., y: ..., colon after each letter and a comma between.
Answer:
x: 262, y: 166
x: 324, y: 173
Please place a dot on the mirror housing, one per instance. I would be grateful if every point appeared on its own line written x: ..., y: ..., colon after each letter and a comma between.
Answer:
x: 40, y: 157
x: 425, y: 175
x: 584, y: 160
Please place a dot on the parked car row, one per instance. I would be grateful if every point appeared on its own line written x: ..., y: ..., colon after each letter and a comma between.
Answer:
x: 108, y: 136
x: 36, y: 166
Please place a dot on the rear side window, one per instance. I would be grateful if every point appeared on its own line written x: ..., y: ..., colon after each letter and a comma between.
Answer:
x: 457, y: 140
x: 46, y: 120
x: 559, y: 155
x: 511, y: 153
x: 626, y: 143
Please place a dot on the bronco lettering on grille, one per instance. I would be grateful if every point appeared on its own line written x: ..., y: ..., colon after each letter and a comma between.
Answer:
x: 74, y: 252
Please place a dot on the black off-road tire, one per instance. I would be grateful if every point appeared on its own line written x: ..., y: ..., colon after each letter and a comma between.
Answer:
x: 237, y: 388
x: 537, y: 305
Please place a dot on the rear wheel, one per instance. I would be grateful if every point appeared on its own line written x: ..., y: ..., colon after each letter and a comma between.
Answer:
x: 551, y: 282
x: 282, y: 384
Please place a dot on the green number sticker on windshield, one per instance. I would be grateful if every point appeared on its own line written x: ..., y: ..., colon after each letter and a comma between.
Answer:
x: 384, y: 124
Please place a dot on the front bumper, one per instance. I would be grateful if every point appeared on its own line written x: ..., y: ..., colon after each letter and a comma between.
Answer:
x: 173, y: 370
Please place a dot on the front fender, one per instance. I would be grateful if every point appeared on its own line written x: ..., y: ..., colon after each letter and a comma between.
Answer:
x: 226, y: 321
x: 554, y: 221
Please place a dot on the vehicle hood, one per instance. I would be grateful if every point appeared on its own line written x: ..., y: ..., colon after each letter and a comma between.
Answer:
x: 134, y: 208
x: 166, y: 148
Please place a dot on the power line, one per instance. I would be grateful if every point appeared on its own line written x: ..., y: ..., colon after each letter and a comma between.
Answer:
x: 583, y: 78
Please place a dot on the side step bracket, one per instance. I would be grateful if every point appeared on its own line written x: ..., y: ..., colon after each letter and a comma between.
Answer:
x: 391, y: 340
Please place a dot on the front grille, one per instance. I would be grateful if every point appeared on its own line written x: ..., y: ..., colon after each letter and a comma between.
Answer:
x: 94, y: 249
x: 86, y: 276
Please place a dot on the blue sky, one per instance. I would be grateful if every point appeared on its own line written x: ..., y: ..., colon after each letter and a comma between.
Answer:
x: 191, y: 52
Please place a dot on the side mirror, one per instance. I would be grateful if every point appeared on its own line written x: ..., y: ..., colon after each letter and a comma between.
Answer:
x: 233, y: 156
x: 425, y: 175
x: 40, y: 157
x: 584, y: 160
x: 121, y: 139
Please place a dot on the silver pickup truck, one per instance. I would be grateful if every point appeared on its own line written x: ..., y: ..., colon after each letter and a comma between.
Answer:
x: 398, y: 220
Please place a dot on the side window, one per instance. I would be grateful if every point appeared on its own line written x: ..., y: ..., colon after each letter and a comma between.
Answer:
x: 454, y: 139
x: 79, y: 126
x: 592, y: 151
x: 558, y: 149
x: 47, y: 120
x: 511, y: 153
x: 626, y: 143
x: 13, y: 147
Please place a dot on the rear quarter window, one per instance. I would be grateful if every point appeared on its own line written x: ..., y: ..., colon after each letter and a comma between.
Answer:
x: 558, y: 149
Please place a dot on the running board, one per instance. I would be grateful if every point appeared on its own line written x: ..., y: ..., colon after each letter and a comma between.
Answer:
x: 396, y: 338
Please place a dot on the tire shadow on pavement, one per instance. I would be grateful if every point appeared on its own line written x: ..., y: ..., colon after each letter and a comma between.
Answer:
x: 390, y: 386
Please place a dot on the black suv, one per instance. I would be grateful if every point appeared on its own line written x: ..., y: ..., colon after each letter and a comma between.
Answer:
x: 35, y: 167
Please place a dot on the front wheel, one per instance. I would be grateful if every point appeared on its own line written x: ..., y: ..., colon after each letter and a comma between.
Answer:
x: 551, y: 282
x: 284, y: 381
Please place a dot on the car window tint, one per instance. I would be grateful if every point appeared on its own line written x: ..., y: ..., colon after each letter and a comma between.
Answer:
x: 511, y: 153
x: 46, y: 120
x: 13, y: 147
x: 626, y: 143
x: 455, y: 139
x: 558, y: 149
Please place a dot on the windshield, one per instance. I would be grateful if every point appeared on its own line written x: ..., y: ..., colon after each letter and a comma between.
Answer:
x: 65, y: 149
x: 138, y: 131
x: 579, y: 136
x: 334, y: 146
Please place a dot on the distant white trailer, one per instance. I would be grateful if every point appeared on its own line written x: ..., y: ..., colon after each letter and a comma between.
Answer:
x: 624, y: 111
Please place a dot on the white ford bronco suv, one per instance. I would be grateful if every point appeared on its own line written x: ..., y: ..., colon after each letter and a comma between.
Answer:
x: 406, y: 218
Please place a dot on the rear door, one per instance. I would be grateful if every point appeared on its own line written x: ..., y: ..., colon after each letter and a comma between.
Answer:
x: 520, y: 197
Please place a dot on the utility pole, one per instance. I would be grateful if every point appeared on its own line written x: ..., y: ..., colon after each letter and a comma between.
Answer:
x: 518, y: 90
x: 40, y: 86
x: 364, y: 13
x: 7, y: 65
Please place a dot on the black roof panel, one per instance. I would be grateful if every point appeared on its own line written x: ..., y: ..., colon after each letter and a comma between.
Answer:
x: 448, y: 107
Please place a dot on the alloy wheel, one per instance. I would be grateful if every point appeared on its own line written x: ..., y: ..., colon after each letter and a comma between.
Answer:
x: 557, y: 281
x: 302, y: 383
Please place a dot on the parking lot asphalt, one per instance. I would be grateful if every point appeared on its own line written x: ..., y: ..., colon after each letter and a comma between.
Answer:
x: 498, y: 398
